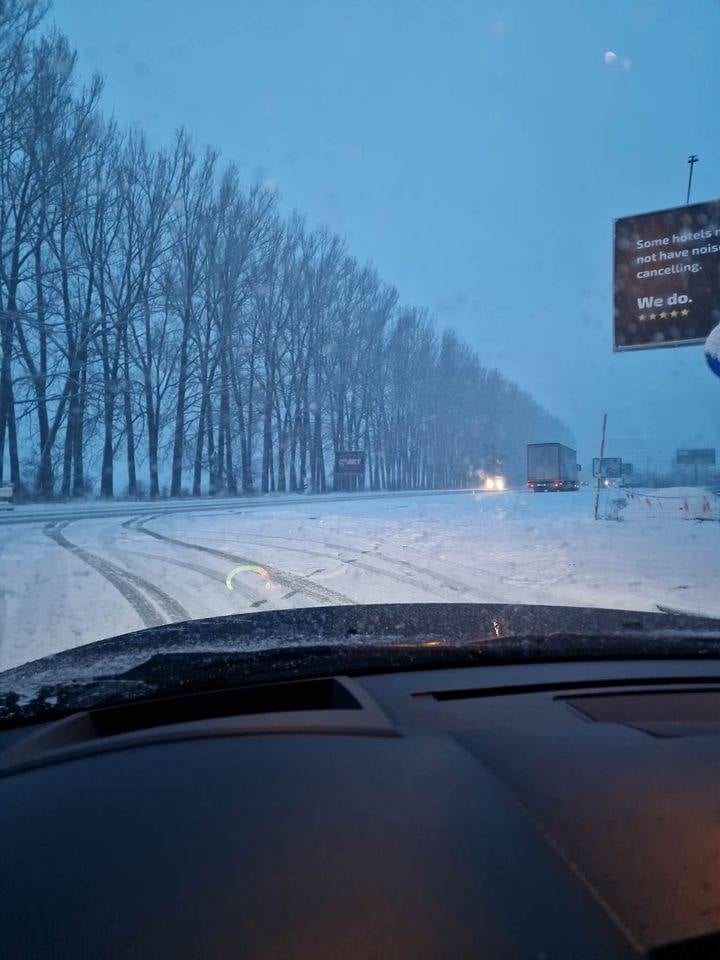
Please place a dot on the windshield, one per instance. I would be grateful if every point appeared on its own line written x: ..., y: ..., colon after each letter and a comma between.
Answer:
x: 308, y: 304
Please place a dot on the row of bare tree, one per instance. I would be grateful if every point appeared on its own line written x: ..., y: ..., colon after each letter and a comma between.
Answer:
x: 164, y: 329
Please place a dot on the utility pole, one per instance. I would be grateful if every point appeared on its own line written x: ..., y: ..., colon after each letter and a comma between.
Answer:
x: 692, y: 160
x: 600, y: 466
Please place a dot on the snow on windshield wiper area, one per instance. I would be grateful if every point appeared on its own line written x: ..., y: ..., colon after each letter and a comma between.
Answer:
x: 256, y: 648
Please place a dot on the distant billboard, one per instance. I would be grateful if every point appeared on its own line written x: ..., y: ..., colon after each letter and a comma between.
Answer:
x: 667, y: 277
x: 627, y: 469
x: 350, y: 462
x: 697, y: 457
x: 609, y: 467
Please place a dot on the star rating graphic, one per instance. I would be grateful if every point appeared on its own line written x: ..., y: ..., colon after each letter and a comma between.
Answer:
x: 664, y: 314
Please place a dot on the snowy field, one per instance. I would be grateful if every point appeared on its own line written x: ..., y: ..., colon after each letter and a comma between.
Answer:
x: 71, y: 575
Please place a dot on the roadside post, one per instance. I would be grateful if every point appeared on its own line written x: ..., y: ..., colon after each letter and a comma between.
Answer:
x: 602, y: 456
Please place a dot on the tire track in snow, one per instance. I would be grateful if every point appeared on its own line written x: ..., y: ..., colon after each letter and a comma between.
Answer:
x: 129, y: 585
x: 356, y: 563
x: 464, y: 590
x: 294, y: 582
x: 455, y: 583
x: 245, y: 592
x: 440, y: 580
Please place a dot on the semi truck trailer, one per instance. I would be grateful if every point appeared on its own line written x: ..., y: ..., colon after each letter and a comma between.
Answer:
x: 552, y: 467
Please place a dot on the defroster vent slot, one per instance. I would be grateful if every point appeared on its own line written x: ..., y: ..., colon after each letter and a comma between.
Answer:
x: 327, y: 705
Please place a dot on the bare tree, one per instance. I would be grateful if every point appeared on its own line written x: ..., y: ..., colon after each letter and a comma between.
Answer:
x: 194, y: 196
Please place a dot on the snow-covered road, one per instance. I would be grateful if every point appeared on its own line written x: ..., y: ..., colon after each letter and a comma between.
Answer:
x: 71, y: 575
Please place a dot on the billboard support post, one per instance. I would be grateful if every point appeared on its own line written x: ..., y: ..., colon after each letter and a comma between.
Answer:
x: 602, y: 454
x: 692, y: 160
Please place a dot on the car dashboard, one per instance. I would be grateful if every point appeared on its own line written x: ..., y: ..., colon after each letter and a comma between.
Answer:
x: 546, y: 809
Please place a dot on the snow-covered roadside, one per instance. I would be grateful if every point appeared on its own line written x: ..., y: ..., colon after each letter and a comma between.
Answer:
x: 88, y: 507
x: 510, y: 547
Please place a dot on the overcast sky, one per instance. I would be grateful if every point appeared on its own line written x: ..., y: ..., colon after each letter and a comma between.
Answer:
x: 476, y: 152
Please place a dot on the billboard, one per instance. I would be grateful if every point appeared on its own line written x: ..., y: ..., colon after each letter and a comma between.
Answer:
x: 608, y: 467
x: 667, y: 277
x: 698, y: 457
x: 350, y: 462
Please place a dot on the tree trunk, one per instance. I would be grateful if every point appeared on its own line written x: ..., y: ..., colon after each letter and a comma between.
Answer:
x: 107, y: 468
x: 79, y: 416
x: 245, y: 461
x: 127, y: 410
x: 229, y: 465
x: 282, y: 443
x: 68, y: 445
x: 267, y: 435
x: 109, y: 393
x: 13, y: 445
x: 199, y: 443
x: 44, y: 482
x: 223, y: 423
x: 153, y: 440
x: 7, y: 400
x: 304, y: 439
x: 212, y: 459
x: 293, y: 454
x: 179, y: 438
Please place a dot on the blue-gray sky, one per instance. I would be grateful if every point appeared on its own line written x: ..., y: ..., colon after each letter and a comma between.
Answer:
x: 477, y: 152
